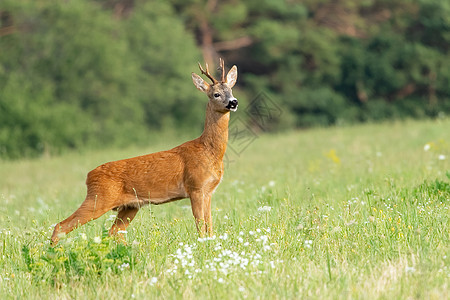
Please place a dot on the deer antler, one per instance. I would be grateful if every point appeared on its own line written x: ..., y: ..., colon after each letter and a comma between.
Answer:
x: 214, y: 81
x: 222, y: 66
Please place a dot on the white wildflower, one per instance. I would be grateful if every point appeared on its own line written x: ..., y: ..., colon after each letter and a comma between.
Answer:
x: 427, y: 147
x: 97, y: 240
x: 350, y: 223
x: 441, y: 157
x: 264, y: 208
x: 308, y: 243
x: 124, y: 266
x: 263, y: 238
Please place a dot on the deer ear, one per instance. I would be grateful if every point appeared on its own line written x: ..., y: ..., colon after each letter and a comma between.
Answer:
x: 232, y: 77
x: 200, y: 83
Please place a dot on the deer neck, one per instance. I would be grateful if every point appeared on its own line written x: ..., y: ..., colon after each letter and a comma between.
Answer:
x: 215, y: 134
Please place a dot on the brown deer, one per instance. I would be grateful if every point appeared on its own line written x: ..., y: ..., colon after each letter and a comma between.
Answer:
x: 192, y: 170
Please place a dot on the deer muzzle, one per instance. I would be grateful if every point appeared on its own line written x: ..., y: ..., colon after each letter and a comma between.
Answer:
x: 232, y: 105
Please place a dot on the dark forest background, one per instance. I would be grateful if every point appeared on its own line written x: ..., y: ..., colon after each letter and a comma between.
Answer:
x: 90, y: 73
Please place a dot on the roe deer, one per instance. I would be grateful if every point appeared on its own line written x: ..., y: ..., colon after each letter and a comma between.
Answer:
x: 192, y: 170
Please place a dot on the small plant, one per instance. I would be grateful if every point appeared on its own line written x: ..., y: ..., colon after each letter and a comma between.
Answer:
x: 82, y: 257
x: 436, y: 188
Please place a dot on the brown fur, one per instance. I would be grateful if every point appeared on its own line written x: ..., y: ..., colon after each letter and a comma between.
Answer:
x: 192, y: 170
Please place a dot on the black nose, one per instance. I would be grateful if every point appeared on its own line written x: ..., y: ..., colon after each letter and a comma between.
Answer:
x: 232, y: 104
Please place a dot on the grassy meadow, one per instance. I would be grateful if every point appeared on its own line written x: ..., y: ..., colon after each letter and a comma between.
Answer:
x: 341, y: 213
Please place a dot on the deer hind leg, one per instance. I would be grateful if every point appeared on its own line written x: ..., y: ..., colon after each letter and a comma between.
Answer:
x: 88, y: 211
x: 93, y: 207
x: 123, y: 219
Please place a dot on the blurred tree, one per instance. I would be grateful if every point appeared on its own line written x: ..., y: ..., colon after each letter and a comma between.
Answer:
x: 71, y: 75
x: 98, y: 72
x: 166, y: 55
x: 340, y: 54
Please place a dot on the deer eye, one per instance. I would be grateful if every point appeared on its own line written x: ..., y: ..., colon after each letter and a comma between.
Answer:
x: 216, y: 95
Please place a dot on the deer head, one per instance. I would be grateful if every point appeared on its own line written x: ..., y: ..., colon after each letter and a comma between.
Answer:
x: 219, y: 92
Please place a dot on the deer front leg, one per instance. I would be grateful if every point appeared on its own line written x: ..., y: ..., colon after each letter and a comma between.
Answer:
x: 207, y: 215
x: 198, y: 210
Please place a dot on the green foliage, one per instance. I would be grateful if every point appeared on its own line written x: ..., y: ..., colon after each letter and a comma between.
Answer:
x: 321, y: 106
x: 165, y: 61
x: 376, y: 60
x: 73, y: 76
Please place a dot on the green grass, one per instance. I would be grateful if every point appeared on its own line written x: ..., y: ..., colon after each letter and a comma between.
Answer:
x: 342, y: 213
